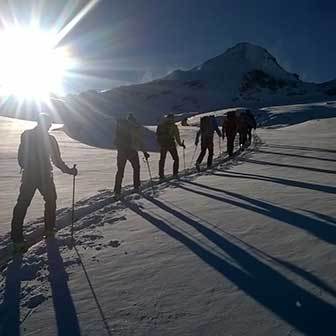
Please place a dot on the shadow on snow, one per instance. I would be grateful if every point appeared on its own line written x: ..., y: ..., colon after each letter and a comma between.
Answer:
x: 258, y: 280
x: 319, y: 228
x: 10, y: 308
x: 277, y: 180
x: 296, y: 155
x: 318, y: 170
x: 65, y: 312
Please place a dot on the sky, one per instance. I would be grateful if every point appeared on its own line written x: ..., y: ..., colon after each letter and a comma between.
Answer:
x: 131, y: 41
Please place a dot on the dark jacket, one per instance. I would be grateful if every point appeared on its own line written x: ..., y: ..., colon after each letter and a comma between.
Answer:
x: 129, y: 135
x: 35, y: 151
x: 243, y: 124
x: 167, y: 133
x: 252, y: 123
x: 230, y: 125
x: 208, y: 126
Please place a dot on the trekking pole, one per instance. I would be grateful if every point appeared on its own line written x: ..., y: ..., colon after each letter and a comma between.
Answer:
x: 184, y: 158
x: 220, y: 146
x: 254, y: 132
x: 73, y: 203
x: 150, y: 174
x: 193, y: 156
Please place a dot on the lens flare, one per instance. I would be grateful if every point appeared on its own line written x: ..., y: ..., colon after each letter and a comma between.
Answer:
x: 30, y: 64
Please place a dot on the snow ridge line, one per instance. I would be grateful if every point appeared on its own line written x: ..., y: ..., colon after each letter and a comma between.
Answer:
x: 94, y: 203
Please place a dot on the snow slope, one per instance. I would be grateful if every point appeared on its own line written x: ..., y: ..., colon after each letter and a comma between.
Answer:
x: 244, y: 249
x: 97, y: 167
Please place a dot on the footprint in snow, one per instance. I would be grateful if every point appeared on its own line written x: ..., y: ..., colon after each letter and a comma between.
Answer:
x: 114, y: 219
x: 114, y: 243
x: 34, y: 301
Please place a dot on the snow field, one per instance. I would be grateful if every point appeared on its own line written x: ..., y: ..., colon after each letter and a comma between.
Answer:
x: 243, y: 249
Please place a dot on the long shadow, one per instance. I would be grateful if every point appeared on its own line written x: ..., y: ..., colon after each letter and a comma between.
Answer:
x: 318, y: 228
x: 305, y: 275
x: 258, y: 280
x: 65, y: 311
x: 278, y: 180
x: 326, y: 218
x: 262, y: 162
x: 292, y: 267
x: 297, y: 155
x: 303, y: 148
x: 10, y: 307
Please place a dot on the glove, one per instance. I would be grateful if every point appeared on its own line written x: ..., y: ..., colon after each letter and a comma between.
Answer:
x: 146, y: 155
x: 72, y: 171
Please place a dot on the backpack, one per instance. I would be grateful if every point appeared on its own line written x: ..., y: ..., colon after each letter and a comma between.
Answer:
x: 165, y: 134
x: 251, y: 119
x: 206, y: 126
x: 124, y: 134
x: 230, y: 124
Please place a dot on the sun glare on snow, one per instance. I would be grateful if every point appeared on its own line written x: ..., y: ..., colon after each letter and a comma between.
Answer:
x: 30, y: 64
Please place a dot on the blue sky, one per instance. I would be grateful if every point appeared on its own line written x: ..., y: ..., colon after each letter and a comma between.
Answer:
x: 134, y: 40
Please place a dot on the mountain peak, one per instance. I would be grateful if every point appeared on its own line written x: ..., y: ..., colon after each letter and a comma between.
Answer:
x: 245, y: 46
x: 234, y: 63
x: 248, y: 52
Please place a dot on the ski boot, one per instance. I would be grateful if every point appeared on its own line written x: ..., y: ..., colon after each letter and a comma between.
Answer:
x: 118, y: 196
x: 20, y: 247
x: 49, y: 233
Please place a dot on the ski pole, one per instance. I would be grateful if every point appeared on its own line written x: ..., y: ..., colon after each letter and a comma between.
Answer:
x: 220, y: 146
x: 184, y: 158
x: 254, y: 134
x: 150, y: 174
x: 193, y: 156
x: 73, y: 203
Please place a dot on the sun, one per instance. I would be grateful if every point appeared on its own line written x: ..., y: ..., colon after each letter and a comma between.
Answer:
x: 31, y: 64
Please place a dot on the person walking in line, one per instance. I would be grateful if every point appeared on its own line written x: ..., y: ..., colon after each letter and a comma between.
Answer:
x: 229, y: 130
x: 252, y: 124
x: 243, y: 127
x: 36, y: 149
x: 128, y: 140
x: 208, y: 126
x: 167, y: 136
x: 184, y: 122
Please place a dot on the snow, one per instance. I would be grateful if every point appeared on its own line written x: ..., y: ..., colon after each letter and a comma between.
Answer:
x: 243, y: 249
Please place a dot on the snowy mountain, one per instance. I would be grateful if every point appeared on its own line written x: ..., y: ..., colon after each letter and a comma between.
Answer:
x: 245, y: 75
x: 234, y: 64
